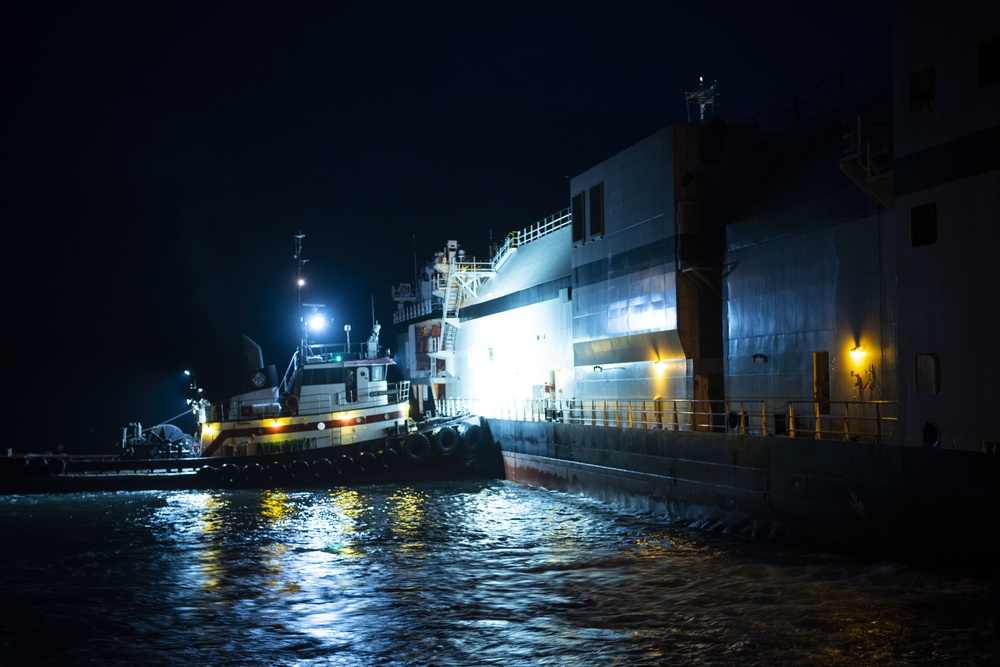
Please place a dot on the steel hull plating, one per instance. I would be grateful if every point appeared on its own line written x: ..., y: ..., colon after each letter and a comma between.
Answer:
x: 907, y: 502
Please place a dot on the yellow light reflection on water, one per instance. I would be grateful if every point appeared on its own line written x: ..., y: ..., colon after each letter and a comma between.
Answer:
x: 275, y: 506
x: 209, y: 506
x: 406, y: 517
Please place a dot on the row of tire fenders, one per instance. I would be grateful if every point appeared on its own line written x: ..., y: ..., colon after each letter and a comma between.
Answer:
x: 415, y: 448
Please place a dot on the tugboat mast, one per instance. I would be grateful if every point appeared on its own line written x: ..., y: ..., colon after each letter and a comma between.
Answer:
x: 299, y: 281
x: 299, y: 284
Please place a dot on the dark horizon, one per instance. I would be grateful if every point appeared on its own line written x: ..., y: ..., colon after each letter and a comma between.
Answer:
x: 160, y: 159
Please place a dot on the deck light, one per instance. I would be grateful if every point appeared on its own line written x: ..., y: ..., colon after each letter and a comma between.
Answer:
x: 858, y: 353
x: 317, y: 322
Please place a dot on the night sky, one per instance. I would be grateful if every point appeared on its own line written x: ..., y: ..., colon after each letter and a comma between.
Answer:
x: 159, y: 157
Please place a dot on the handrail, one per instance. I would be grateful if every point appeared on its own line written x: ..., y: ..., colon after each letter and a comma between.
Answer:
x: 419, y: 309
x: 474, y: 266
x: 863, y: 77
x: 850, y: 421
x: 531, y: 233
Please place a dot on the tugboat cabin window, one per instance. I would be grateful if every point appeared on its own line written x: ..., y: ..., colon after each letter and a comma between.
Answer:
x: 314, y: 376
x: 378, y: 373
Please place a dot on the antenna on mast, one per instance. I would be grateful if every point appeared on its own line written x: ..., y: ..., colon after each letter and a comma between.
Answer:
x: 416, y: 275
x: 299, y: 280
x: 703, y: 98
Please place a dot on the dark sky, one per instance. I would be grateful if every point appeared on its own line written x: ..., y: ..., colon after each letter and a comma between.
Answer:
x: 158, y: 158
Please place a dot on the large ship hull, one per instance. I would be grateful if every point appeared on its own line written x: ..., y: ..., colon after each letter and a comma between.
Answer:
x: 886, y: 500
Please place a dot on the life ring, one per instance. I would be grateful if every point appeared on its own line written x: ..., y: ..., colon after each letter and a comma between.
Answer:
x: 323, y: 469
x: 291, y: 403
x: 416, y: 447
x: 276, y: 472
x: 367, y: 463
x: 300, y: 470
x: 229, y: 474
x: 447, y: 441
x: 388, y: 457
x: 472, y: 437
x: 344, y: 466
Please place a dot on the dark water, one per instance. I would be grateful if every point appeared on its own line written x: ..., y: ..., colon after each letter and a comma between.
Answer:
x: 470, y: 573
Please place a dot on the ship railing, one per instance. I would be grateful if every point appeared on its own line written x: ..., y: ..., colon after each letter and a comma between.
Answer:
x: 330, y: 352
x: 850, y: 421
x: 528, y: 234
x: 872, y: 73
x: 398, y: 391
x: 474, y: 266
x: 316, y: 404
x: 417, y: 310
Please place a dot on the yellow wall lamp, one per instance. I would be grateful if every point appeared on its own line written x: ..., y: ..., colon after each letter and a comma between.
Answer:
x: 857, y: 356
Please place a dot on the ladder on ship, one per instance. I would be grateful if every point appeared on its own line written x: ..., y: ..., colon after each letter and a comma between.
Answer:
x: 460, y: 280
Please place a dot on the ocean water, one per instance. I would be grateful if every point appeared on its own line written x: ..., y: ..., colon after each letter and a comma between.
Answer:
x: 455, y: 573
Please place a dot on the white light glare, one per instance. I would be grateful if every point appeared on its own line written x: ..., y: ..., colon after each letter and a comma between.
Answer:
x: 317, y: 322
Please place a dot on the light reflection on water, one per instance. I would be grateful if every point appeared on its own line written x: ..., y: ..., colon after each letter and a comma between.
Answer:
x: 470, y: 573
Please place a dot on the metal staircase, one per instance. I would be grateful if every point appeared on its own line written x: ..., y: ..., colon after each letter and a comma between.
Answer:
x: 868, y: 161
x: 459, y: 279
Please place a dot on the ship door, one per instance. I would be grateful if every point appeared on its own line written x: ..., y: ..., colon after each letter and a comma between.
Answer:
x: 821, y: 381
x: 351, y: 384
x: 363, y: 378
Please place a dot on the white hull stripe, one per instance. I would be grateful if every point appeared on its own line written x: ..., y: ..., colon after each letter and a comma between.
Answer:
x: 262, y: 427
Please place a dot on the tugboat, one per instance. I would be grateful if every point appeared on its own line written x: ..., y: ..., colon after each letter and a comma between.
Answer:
x: 334, y: 418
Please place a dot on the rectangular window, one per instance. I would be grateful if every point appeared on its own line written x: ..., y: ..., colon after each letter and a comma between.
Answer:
x: 579, y: 213
x: 988, y: 62
x: 923, y: 224
x: 922, y: 89
x: 597, y: 211
x: 378, y: 373
x: 314, y: 376
x: 927, y: 374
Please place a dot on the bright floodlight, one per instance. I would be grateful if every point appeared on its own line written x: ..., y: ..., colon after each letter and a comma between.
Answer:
x: 317, y: 322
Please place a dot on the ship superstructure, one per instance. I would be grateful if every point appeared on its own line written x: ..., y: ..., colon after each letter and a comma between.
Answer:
x: 780, y: 324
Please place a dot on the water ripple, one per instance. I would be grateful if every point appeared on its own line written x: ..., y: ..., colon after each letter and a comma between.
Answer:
x: 470, y: 573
